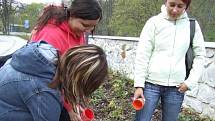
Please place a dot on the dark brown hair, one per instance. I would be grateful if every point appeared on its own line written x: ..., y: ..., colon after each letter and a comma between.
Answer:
x: 187, y: 2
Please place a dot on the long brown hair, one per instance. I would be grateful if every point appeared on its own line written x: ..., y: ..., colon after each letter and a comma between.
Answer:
x: 81, y: 70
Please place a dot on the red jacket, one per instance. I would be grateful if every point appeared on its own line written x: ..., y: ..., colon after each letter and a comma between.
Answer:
x: 59, y: 36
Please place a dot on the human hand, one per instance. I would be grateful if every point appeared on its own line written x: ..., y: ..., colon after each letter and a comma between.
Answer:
x: 74, y: 116
x: 139, y: 93
x: 182, y: 88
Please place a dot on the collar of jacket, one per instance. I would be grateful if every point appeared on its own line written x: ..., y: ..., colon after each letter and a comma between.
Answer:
x: 29, y: 60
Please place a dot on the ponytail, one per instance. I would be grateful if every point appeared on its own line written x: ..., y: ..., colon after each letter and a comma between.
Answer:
x: 57, y: 14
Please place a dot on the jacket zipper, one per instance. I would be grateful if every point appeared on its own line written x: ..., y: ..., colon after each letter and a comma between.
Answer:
x: 171, y: 62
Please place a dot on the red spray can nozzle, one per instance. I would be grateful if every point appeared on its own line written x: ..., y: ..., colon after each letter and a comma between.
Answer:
x: 87, y: 115
x: 138, y: 103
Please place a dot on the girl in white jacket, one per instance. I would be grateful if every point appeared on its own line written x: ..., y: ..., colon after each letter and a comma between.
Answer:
x: 160, y: 61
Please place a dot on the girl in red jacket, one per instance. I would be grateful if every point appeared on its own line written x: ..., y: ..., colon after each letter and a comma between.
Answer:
x: 64, y: 28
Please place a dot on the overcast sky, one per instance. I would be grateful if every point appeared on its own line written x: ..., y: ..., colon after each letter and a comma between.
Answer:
x: 39, y: 1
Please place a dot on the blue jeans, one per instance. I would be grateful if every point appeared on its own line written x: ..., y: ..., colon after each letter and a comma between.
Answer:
x: 171, y: 101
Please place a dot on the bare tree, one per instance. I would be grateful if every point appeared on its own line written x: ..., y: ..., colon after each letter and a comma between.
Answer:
x: 7, y: 8
x: 107, y: 6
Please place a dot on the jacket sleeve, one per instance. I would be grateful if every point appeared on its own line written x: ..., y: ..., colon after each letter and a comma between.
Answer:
x: 43, y: 106
x: 143, y: 53
x: 199, y: 59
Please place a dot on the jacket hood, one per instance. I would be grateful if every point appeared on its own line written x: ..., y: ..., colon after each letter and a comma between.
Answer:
x: 64, y: 26
x: 30, y: 60
x: 166, y: 16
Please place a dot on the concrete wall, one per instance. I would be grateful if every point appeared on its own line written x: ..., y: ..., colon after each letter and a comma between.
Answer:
x: 121, y: 55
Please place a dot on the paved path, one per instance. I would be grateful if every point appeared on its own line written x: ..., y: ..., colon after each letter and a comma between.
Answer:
x: 9, y: 44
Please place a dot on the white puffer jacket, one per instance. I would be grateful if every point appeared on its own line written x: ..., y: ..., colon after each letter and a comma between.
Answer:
x: 160, y: 57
